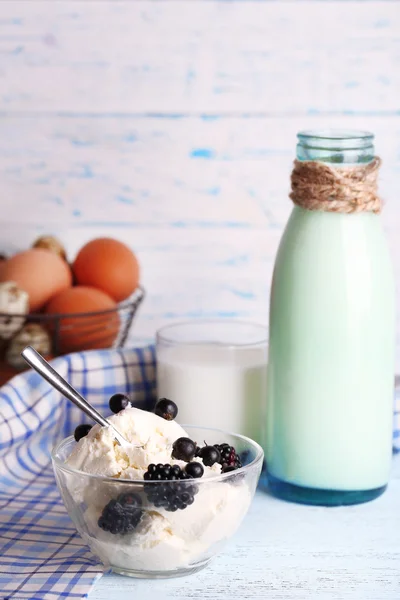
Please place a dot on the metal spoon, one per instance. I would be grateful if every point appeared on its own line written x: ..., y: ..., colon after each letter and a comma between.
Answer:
x: 37, y: 362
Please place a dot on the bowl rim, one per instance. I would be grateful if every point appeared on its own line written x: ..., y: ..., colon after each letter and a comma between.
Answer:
x: 60, y: 464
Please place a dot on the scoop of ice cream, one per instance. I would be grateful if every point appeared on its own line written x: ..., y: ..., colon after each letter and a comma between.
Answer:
x: 151, y: 438
x: 166, y: 541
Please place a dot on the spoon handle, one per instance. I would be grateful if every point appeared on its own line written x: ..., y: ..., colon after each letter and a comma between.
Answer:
x: 37, y: 362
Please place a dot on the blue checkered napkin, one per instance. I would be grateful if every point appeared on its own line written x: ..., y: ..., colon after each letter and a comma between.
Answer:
x: 41, y: 555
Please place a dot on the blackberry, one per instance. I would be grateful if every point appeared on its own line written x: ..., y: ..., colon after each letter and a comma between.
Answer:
x: 169, y: 496
x: 229, y: 469
x: 122, y: 515
x: 166, y: 409
x: 183, y: 449
x: 229, y: 460
x: 118, y: 402
x: 81, y: 431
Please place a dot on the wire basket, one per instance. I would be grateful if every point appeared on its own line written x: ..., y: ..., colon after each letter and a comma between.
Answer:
x: 57, y: 334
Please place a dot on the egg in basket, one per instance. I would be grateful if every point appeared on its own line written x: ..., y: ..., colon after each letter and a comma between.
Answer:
x: 58, y: 308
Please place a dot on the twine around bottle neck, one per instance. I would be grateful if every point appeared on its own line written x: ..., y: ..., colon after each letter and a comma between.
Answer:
x: 320, y: 186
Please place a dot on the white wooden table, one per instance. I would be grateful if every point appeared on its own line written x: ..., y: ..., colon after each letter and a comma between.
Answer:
x: 290, y: 552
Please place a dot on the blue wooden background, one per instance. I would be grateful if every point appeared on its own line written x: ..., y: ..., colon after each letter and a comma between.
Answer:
x: 171, y: 124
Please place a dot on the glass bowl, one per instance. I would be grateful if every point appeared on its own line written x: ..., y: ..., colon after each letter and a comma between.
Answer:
x: 161, y: 543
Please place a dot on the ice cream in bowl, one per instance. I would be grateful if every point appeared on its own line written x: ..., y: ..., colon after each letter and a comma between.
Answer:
x: 163, y: 505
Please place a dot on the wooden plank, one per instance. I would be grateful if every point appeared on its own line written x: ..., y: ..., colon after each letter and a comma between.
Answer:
x: 187, y: 274
x: 185, y: 173
x: 291, y: 552
x: 218, y: 57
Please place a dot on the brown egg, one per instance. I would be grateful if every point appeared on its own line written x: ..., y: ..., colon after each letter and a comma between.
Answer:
x: 40, y: 273
x: 52, y: 244
x: 3, y: 260
x: 108, y: 265
x: 84, y: 331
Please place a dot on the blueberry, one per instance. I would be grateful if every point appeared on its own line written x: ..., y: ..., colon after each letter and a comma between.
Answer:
x: 81, y: 431
x: 194, y: 469
x: 209, y: 455
x: 118, y: 402
x: 166, y: 409
x: 183, y: 449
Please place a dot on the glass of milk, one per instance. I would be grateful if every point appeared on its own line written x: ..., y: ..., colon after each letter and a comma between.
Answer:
x: 215, y: 371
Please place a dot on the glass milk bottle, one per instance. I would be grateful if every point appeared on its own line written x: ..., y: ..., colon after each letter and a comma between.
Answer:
x: 332, y: 330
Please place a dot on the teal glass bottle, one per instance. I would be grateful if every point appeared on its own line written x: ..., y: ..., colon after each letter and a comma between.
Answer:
x: 332, y: 343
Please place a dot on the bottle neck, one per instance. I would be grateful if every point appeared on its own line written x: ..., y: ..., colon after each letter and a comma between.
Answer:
x: 336, y: 147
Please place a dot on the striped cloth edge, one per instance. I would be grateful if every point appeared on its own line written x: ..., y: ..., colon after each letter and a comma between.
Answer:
x: 42, y: 557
